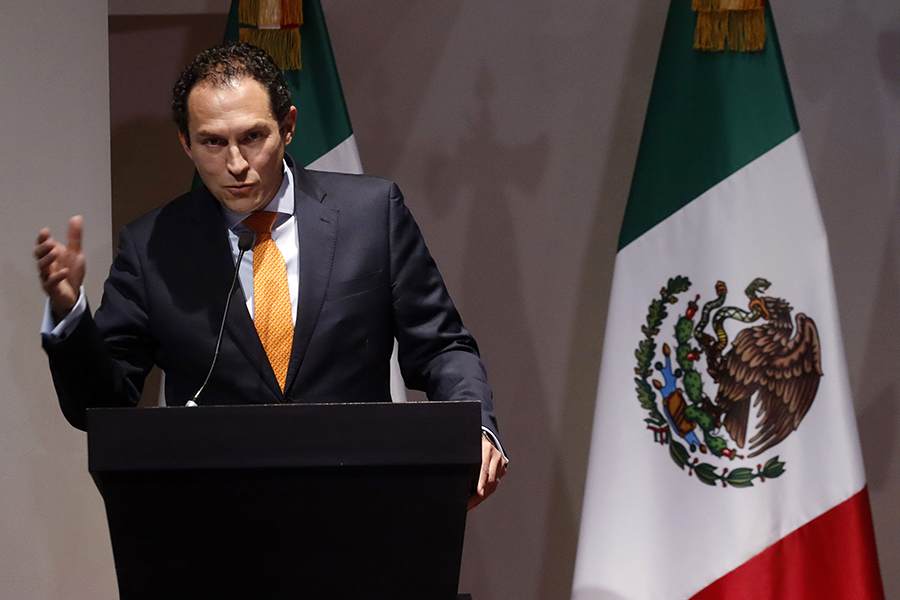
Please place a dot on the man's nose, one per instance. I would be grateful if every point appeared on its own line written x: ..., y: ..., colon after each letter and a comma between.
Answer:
x: 237, y: 165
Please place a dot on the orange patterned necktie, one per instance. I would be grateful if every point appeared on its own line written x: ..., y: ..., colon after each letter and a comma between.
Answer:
x: 271, y: 297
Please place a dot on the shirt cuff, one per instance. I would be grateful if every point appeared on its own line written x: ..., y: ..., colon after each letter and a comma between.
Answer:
x: 62, y: 330
x: 493, y: 440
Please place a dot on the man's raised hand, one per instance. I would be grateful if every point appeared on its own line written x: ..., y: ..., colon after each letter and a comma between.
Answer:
x: 61, y: 268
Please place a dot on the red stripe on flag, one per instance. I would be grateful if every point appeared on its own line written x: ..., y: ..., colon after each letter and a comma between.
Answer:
x: 832, y: 556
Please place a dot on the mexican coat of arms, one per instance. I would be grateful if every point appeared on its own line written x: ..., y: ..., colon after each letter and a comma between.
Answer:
x: 771, y: 366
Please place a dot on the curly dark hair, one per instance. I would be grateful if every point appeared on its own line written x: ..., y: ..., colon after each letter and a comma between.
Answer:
x: 227, y: 64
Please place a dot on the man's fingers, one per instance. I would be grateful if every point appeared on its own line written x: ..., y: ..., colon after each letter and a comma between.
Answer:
x: 482, y: 477
x: 493, y: 467
x: 54, y: 279
x: 492, y: 479
x: 43, y: 236
x: 44, y: 246
x: 45, y: 259
x: 76, y: 227
x: 494, y: 473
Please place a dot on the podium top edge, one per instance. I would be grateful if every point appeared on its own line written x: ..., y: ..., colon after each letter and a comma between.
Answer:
x: 284, y: 436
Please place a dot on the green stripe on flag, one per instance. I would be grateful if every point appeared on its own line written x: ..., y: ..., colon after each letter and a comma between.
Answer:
x: 703, y: 120
x: 322, y: 118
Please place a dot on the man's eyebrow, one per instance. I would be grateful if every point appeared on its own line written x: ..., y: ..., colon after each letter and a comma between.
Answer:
x: 261, y: 124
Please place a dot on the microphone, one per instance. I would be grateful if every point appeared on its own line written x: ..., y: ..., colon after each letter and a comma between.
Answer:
x: 245, y: 242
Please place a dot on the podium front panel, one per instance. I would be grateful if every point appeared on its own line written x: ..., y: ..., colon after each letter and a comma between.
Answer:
x: 243, y: 510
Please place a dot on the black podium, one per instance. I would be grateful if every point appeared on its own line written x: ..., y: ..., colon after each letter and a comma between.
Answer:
x: 313, y: 501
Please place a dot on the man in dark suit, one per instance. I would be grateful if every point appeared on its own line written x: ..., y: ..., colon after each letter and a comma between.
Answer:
x: 351, y: 272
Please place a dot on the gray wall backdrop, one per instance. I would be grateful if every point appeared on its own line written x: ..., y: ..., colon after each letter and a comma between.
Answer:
x: 512, y: 127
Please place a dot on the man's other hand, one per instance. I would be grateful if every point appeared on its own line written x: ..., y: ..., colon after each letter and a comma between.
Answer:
x: 493, y: 467
x: 61, y: 268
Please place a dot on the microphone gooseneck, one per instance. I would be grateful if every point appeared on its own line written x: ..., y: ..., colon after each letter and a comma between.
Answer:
x: 245, y: 242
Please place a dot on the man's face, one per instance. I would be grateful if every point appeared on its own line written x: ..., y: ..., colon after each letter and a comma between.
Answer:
x: 236, y: 144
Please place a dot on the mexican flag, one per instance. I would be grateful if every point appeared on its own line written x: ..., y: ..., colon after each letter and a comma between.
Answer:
x: 725, y: 459
x: 293, y: 32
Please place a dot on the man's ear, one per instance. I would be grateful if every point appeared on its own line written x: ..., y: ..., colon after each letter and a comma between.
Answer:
x: 290, y: 123
x: 186, y: 144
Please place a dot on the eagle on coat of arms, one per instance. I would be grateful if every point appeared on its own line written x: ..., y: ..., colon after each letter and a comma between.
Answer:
x: 772, y: 366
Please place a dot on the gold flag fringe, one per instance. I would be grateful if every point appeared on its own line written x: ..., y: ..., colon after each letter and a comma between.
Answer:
x: 291, y: 11
x: 283, y: 45
x: 717, y: 5
x: 248, y: 12
x: 741, y: 24
x: 269, y: 14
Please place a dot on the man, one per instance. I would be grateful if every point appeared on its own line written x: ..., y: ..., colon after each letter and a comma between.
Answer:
x: 338, y: 269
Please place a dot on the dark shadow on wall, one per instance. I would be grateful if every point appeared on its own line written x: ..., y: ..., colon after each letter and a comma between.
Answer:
x: 147, y: 53
x: 877, y: 396
x: 878, y: 389
x: 878, y: 422
x: 835, y: 77
x: 842, y: 73
x: 148, y: 167
x: 492, y: 289
x: 387, y: 54
x: 579, y: 399
x: 889, y: 59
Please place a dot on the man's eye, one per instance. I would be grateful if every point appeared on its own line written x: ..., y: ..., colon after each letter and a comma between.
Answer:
x: 254, y: 135
x: 213, y: 142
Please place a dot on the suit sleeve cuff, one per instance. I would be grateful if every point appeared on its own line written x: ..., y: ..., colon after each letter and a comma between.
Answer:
x: 60, y: 331
x: 493, y: 440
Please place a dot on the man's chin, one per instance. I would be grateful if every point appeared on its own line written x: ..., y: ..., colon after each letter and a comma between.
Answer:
x: 240, y: 204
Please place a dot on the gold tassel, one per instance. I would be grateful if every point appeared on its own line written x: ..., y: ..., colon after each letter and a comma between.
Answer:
x: 716, y: 5
x: 743, y: 4
x: 291, y: 13
x: 248, y: 12
x: 283, y: 45
x: 712, y: 31
x: 739, y: 23
x: 269, y: 14
x: 746, y: 30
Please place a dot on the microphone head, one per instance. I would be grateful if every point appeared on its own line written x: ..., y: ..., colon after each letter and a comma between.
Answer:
x: 245, y: 241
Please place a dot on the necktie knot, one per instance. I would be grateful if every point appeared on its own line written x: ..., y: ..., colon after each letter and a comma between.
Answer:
x: 261, y: 222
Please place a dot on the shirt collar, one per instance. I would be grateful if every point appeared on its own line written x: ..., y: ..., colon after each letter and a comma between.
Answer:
x: 283, y: 202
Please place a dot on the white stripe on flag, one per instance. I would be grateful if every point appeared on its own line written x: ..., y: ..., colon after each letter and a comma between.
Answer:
x: 343, y: 158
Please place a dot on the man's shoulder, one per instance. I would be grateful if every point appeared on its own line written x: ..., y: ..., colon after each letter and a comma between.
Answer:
x: 181, y: 218
x: 348, y: 187
x: 190, y: 205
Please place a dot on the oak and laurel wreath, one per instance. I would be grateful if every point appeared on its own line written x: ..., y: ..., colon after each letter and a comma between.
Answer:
x: 656, y: 313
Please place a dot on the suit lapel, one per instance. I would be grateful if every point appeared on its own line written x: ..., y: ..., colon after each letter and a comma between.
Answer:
x: 214, y: 250
x: 317, y: 228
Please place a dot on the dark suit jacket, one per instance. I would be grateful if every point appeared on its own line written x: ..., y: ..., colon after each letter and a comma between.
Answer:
x: 365, y: 277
